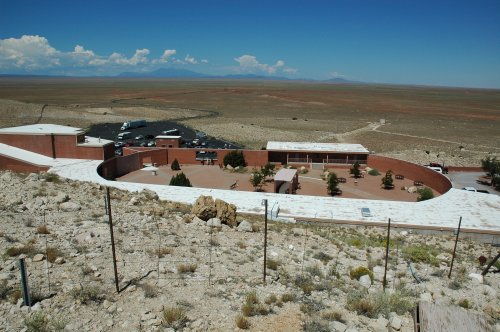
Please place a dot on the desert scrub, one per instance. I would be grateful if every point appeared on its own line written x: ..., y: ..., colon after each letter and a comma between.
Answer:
x: 464, y: 303
x: 150, y: 291
x: 186, y: 268
x: 373, y: 304
x: 39, y: 322
x: 315, y: 271
x: 272, y: 264
x: 52, y: 254
x: 42, y: 229
x: 359, y: 272
x: 332, y: 316
x: 323, y: 257
x: 305, y: 284
x: 26, y: 249
x: 4, y: 290
x: 315, y: 325
x: 271, y: 299
x: 162, y: 252
x: 86, y: 294
x: 252, y: 306
x: 421, y: 253
x: 287, y: 297
x: 174, y: 317
x: 242, y: 322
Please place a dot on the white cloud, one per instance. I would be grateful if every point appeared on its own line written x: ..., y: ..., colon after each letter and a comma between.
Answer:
x: 190, y: 59
x: 27, y: 52
x: 290, y: 71
x: 250, y: 64
x: 334, y: 74
x: 204, y: 61
x: 167, y: 54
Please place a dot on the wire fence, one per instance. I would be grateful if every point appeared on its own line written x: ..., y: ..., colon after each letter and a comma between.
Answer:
x: 161, y: 250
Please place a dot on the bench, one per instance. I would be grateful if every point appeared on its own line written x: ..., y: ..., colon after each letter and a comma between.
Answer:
x: 399, y: 177
x: 342, y: 180
x: 418, y: 183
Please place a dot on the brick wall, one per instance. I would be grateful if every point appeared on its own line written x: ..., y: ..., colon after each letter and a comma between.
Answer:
x: 64, y: 145
x: 188, y: 156
x: 430, y: 178
x: 15, y: 165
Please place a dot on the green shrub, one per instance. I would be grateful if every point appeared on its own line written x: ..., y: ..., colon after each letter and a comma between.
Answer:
x: 234, y: 159
x: 424, y: 194
x: 287, y: 297
x: 360, y: 271
x: 374, y: 172
x: 86, y: 294
x: 39, y: 322
x: 422, y: 253
x: 355, y: 171
x: 464, y: 303
x: 175, y: 165
x: 272, y: 264
x: 315, y: 271
x: 387, y: 180
x: 374, y: 304
x: 332, y: 316
x: 305, y: 284
x: 180, y: 180
x: 325, y: 258
x: 51, y: 177
x: 332, y: 185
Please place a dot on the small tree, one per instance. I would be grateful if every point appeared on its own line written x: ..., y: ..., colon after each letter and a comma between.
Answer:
x: 175, y: 165
x: 267, y: 170
x: 257, y: 180
x: 180, y: 180
x: 491, y: 166
x: 235, y: 159
x: 355, y: 171
x: 424, y: 194
x: 332, y: 184
x: 387, y: 180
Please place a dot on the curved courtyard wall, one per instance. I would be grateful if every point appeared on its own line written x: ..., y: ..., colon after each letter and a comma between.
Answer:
x: 430, y: 178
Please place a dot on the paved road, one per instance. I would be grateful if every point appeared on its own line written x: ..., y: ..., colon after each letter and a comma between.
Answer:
x: 469, y: 179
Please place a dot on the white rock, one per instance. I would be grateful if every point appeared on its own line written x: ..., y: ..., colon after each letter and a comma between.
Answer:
x: 38, y: 258
x: 70, y: 206
x: 395, y: 322
x: 214, y: 222
x: 365, y: 281
x: 337, y: 326
x: 59, y: 260
x: 291, y: 247
x: 426, y: 297
x: 476, y: 278
x: 244, y: 226
x: 403, y: 233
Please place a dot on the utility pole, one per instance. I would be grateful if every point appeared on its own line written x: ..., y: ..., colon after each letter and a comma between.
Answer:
x: 455, y: 248
x: 112, y: 239
x: 264, y: 202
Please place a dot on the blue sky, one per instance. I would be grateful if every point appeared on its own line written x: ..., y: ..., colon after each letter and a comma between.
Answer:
x: 451, y: 43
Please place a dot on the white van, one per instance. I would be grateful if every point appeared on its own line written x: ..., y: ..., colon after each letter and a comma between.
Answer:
x: 437, y: 169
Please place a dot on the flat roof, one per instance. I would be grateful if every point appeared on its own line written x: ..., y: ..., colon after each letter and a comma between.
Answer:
x: 95, y: 142
x: 167, y: 136
x: 285, y: 174
x: 43, y: 129
x: 316, y: 147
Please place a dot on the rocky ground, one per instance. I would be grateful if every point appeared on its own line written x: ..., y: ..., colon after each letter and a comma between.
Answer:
x: 179, y: 272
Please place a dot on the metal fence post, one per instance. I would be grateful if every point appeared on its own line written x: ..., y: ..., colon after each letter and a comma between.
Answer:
x: 455, y: 248
x: 384, y: 282
x: 24, y: 282
x: 112, y: 240
x: 264, y: 202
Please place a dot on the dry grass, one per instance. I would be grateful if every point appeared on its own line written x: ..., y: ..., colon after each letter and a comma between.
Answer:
x: 186, y: 268
x: 242, y: 322
x: 42, y: 229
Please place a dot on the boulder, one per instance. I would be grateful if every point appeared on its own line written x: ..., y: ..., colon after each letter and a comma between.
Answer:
x: 337, y: 326
x: 395, y: 322
x: 229, y: 167
x: 204, y: 208
x: 226, y: 212
x: 245, y: 226
x: 70, y: 206
x: 214, y: 222
x: 476, y: 278
x: 149, y: 194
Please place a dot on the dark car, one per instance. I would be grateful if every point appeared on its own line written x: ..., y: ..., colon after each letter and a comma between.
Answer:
x: 150, y: 136
x: 483, y: 191
x: 444, y: 169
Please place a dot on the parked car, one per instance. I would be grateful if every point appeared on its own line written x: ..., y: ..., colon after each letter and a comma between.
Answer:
x: 150, y: 136
x: 444, y: 169
x: 119, y: 144
x: 483, y: 191
x: 436, y: 169
x: 144, y: 144
x: 119, y: 152
x: 151, y: 143
x: 138, y: 138
x: 470, y: 189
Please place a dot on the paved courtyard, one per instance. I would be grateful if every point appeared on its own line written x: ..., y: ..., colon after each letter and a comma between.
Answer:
x: 311, y: 183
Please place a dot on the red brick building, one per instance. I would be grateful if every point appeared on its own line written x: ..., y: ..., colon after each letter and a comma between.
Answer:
x: 53, y: 141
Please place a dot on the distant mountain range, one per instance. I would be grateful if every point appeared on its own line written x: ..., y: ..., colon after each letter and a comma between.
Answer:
x: 184, y: 73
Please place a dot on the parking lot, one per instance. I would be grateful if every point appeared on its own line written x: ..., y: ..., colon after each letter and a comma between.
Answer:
x: 144, y: 136
x: 469, y: 179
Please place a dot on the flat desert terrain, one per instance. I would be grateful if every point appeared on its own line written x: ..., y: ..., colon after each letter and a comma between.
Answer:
x: 457, y: 126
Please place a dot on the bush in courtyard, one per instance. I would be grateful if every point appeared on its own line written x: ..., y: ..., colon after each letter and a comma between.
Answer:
x: 355, y: 171
x: 387, y: 180
x: 333, y: 184
x: 267, y: 170
x: 235, y: 159
x: 180, y: 180
x: 175, y: 165
x: 257, y: 180
x: 424, y: 194
x: 492, y: 167
x: 374, y: 172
